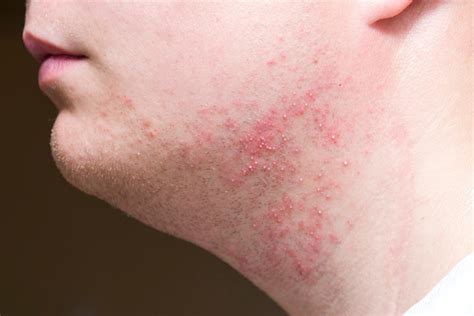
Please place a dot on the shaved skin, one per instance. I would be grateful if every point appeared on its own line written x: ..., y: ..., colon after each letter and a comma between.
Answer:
x: 333, y: 178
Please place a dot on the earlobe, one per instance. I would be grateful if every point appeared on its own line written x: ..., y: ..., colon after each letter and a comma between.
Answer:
x: 376, y: 10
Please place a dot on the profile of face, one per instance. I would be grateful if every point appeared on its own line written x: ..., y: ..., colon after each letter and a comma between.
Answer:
x: 198, y: 118
x: 194, y: 106
x: 228, y: 124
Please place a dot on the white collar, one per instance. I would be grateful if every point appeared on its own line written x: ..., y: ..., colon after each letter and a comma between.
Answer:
x: 452, y: 295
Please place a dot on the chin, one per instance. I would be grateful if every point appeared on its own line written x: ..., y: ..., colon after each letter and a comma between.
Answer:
x: 85, y: 160
x: 106, y: 169
x: 110, y: 169
x: 73, y: 159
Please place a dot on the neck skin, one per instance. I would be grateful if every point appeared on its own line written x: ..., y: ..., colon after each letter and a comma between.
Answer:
x: 391, y: 213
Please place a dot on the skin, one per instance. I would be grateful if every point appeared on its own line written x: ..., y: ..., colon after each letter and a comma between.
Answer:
x: 317, y: 147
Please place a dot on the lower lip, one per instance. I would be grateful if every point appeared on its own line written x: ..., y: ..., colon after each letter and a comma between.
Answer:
x: 53, y: 66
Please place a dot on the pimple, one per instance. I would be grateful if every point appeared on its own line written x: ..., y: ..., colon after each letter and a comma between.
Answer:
x: 230, y: 124
x: 283, y: 232
x: 204, y: 111
x: 301, y: 269
x: 296, y: 151
x: 310, y: 96
x: 205, y: 137
x: 146, y: 124
x: 297, y: 109
x: 128, y: 103
x: 333, y: 138
x: 287, y: 201
x: 271, y: 62
x: 333, y: 238
x: 103, y: 114
x: 151, y: 135
x: 284, y: 99
x: 301, y: 225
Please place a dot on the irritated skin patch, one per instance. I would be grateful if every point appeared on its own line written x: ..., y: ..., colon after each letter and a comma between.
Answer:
x: 289, y: 163
x: 278, y: 153
x: 292, y: 162
x: 300, y: 226
x: 294, y: 159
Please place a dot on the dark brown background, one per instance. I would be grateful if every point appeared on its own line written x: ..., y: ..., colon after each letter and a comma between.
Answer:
x: 65, y: 253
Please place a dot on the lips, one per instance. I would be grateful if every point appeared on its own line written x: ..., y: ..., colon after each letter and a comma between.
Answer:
x: 53, y: 58
x: 41, y: 49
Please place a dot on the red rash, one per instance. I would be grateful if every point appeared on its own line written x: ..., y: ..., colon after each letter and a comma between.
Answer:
x: 299, y: 228
x: 265, y: 155
x: 149, y: 131
x: 271, y: 62
x: 128, y: 102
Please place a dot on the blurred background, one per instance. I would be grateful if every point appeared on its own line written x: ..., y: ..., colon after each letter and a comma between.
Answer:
x: 65, y: 253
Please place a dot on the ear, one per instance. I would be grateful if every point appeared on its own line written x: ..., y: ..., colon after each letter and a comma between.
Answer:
x: 375, y: 10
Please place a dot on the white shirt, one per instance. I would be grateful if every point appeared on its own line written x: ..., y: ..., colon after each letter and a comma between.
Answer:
x: 452, y: 296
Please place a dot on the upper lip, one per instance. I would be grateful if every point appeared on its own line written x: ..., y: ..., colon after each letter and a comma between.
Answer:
x: 41, y: 49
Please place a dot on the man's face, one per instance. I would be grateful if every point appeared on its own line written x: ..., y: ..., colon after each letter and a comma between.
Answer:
x: 194, y: 106
x: 263, y: 131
